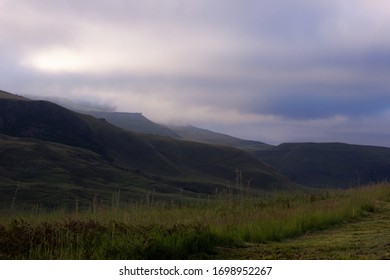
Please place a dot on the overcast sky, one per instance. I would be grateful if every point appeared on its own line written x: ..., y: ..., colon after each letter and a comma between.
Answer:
x: 269, y: 70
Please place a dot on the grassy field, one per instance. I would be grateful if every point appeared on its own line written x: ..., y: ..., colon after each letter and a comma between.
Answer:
x: 366, y: 238
x: 329, y: 224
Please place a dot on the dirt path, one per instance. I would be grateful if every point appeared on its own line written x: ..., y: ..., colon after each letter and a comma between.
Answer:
x: 368, y: 238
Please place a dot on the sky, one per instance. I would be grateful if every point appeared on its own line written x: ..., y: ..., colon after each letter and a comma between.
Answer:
x: 267, y: 70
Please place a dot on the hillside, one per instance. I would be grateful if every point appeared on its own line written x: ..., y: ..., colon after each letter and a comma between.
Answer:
x: 219, y: 162
x: 135, y: 122
x: 7, y: 95
x: 58, y: 148
x: 329, y: 164
x: 56, y: 175
x: 192, y: 133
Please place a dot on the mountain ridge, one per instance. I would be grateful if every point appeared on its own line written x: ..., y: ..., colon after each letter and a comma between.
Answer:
x: 329, y: 164
x: 315, y: 165
x: 37, y: 129
x: 193, y: 133
x: 7, y: 95
x: 137, y: 122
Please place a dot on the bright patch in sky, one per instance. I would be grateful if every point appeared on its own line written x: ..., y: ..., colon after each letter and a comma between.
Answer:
x: 58, y: 60
x: 273, y: 71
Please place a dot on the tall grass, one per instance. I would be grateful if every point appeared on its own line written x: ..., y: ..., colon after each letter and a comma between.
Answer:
x: 176, y: 231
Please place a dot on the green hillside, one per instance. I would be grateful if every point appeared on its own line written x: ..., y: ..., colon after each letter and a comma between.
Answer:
x: 329, y: 164
x: 52, y: 174
x: 192, y: 133
x: 135, y: 122
x: 50, y: 153
x: 218, y: 162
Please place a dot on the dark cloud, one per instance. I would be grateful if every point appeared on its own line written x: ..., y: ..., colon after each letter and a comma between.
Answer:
x: 271, y: 70
x: 302, y: 105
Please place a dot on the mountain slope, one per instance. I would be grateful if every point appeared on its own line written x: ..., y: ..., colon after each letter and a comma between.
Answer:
x: 55, y: 175
x: 53, y: 141
x: 219, y: 163
x: 192, y: 133
x: 7, y: 95
x: 45, y: 121
x: 329, y: 164
x: 135, y: 122
x: 50, y: 122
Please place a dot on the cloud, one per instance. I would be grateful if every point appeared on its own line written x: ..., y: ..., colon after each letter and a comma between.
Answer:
x: 319, y: 67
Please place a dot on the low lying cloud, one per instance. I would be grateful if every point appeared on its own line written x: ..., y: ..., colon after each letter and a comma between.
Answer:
x: 294, y: 71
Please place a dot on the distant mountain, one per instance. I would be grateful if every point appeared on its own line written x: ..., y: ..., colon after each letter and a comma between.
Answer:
x: 137, y: 122
x: 77, y: 106
x: 48, y: 152
x: 191, y: 158
x: 192, y: 133
x: 219, y: 162
x: 134, y: 122
x: 329, y: 164
x: 7, y: 95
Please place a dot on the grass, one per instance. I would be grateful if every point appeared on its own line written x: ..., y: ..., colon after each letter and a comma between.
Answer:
x: 197, y: 230
x: 89, y: 239
x: 365, y: 239
x: 329, y: 164
x: 50, y: 174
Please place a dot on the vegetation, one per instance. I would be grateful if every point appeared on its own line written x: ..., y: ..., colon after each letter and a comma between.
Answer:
x: 365, y: 238
x: 7, y: 95
x: 77, y: 187
x: 49, y: 153
x: 162, y: 230
x: 329, y: 164
x: 134, y: 122
x: 192, y: 133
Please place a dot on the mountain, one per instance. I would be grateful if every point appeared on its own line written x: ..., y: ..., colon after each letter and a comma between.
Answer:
x: 134, y: 122
x: 48, y: 152
x: 329, y: 164
x: 45, y: 121
x: 192, y: 133
x: 137, y: 122
x: 55, y: 175
x: 77, y: 106
x: 218, y: 162
x: 7, y: 95
x: 195, y: 160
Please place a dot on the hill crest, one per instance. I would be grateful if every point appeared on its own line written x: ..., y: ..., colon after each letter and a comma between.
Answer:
x: 152, y: 162
x: 7, y: 95
x: 329, y: 164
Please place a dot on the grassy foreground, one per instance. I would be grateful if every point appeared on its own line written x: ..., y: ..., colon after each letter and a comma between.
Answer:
x: 174, y: 231
x: 365, y: 239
